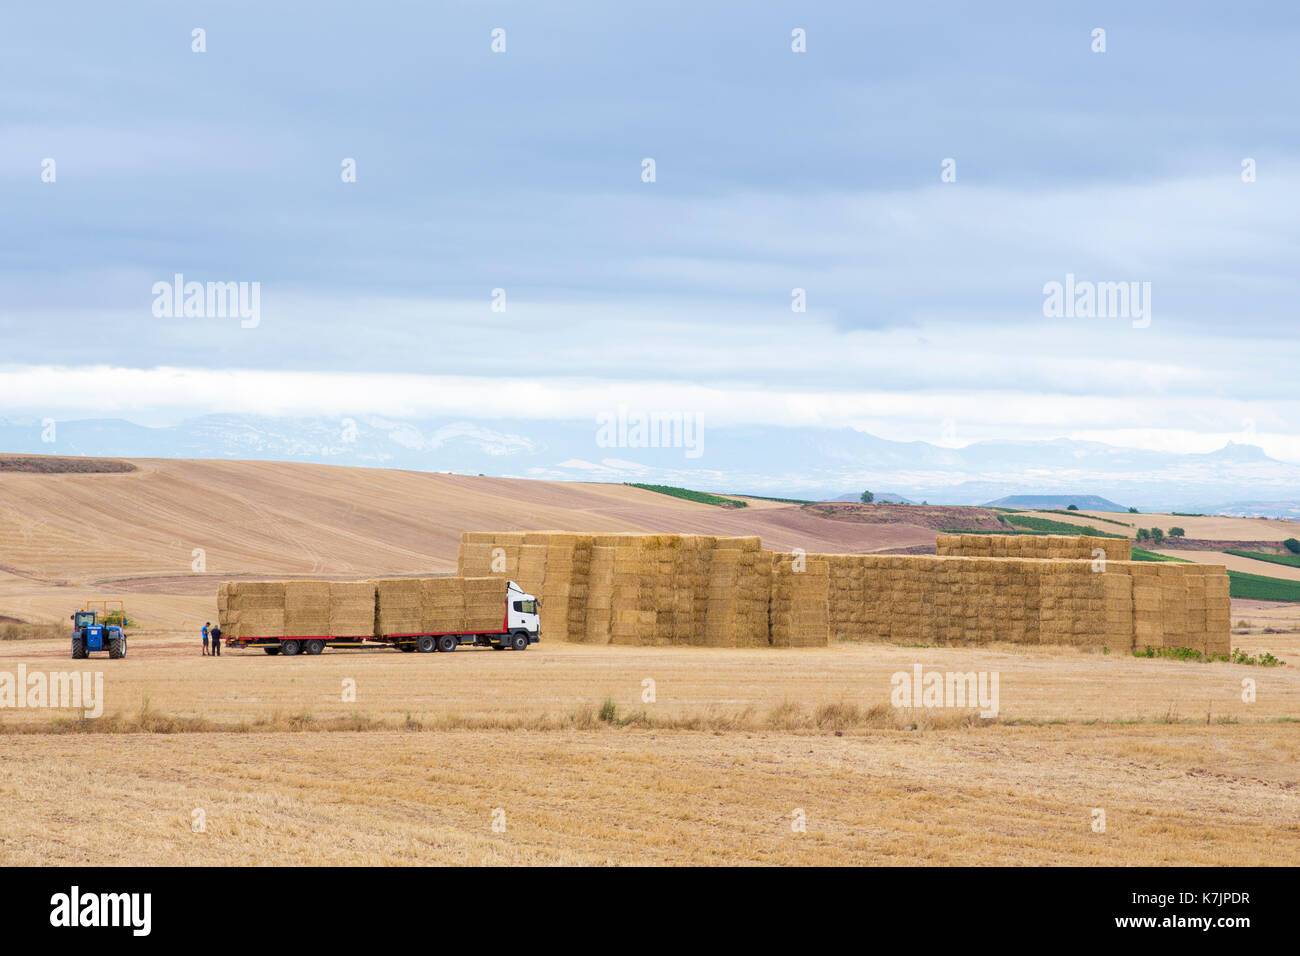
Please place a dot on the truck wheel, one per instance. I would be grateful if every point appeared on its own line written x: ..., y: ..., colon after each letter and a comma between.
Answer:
x: 272, y: 650
x: 290, y: 648
x: 314, y: 647
x: 78, y: 649
x: 520, y: 641
x: 425, y: 644
x: 448, y: 643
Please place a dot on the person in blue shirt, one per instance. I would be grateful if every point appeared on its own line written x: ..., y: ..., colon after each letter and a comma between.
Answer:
x: 205, y: 638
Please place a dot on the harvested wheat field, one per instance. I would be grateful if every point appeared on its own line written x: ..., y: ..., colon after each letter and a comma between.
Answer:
x: 982, y: 796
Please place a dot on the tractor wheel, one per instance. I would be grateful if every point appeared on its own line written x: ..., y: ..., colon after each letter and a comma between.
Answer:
x: 448, y: 643
x: 425, y: 644
x: 78, y: 649
x: 520, y: 641
x: 272, y: 650
x: 290, y: 648
x: 117, y: 648
x: 314, y: 647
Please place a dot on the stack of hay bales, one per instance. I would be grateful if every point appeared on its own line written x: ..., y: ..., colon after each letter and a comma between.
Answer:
x: 632, y: 588
x: 1218, y: 611
x: 490, y: 552
x: 1046, y: 546
x: 1148, y: 617
x: 399, y: 606
x: 630, y: 620
x: 485, y: 603
x: 306, y: 608
x: 740, y: 582
x: 253, y: 609
x: 599, y: 603
x: 1072, y: 604
x: 351, y: 609
x: 798, y: 611
x: 854, y: 609
x: 1118, y: 629
x: 1173, y: 604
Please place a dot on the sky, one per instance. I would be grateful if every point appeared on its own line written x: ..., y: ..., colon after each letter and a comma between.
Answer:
x: 920, y: 171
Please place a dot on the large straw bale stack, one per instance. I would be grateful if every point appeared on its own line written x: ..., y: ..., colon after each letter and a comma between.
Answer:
x: 1173, y: 604
x: 598, y: 606
x: 1118, y: 588
x: 798, y: 612
x: 740, y: 577
x: 1218, y: 611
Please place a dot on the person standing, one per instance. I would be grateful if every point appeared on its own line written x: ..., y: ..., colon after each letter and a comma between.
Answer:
x: 205, y: 638
x: 216, y: 641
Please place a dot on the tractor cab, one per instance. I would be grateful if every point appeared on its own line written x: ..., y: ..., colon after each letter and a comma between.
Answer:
x: 83, y: 619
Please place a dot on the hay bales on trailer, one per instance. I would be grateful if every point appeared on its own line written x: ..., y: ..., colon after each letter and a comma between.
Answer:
x: 351, y: 609
x: 484, y: 603
x: 253, y: 609
x: 306, y: 608
x: 398, y: 606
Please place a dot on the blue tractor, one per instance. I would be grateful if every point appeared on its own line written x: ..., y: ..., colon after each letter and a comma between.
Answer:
x: 90, y: 633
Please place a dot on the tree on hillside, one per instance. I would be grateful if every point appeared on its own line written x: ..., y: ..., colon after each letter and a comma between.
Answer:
x: 1176, y: 532
x: 1132, y: 511
x: 1292, y: 545
x: 1144, y: 534
x: 1072, y: 508
x: 867, y: 497
x: 1157, y: 535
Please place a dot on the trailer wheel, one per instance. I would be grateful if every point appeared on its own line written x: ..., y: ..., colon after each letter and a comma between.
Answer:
x: 314, y: 647
x: 498, y: 647
x: 425, y: 644
x: 520, y: 641
x: 290, y: 648
x: 448, y: 643
x: 272, y: 650
x: 406, y: 647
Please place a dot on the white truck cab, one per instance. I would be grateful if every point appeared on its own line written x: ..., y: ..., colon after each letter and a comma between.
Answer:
x: 523, y: 615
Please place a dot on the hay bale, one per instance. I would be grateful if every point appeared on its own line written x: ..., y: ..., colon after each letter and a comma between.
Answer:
x: 351, y: 609
x: 485, y: 604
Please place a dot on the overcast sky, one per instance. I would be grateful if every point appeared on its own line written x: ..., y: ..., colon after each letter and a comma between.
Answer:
x: 775, y: 170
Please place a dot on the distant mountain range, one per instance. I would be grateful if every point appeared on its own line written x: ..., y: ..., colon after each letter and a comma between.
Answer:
x: 1050, y: 502
x: 824, y: 464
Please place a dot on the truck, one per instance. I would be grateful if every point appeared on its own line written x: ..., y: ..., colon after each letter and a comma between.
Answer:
x: 401, y: 613
x: 92, y: 632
